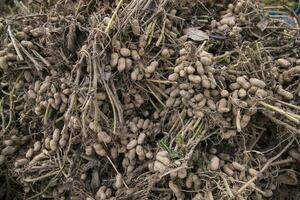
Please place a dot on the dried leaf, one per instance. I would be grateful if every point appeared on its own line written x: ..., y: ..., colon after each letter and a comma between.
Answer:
x: 195, y: 34
x: 263, y: 24
x: 288, y: 178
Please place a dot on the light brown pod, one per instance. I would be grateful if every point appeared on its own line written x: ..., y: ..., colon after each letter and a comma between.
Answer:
x: 1, y: 27
x: 211, y: 104
x: 202, y: 103
x: 106, y: 20
x: 95, y: 180
x: 231, y: 21
x: 88, y: 150
x: 21, y: 162
x: 125, y: 162
x: 114, y: 59
x: 242, y: 93
x: 243, y: 82
x: 11, y: 57
x: 37, y: 85
x: 205, y: 82
x: 38, y: 110
x: 53, y: 145
x: 252, y: 172
x: 29, y: 153
x: 185, y: 86
x: 215, y: 93
x: 2, y: 159
x: 64, y: 98
x: 152, y: 67
x: 166, y: 161
x: 176, y: 190
x: 294, y: 154
x: 37, y: 146
x: 140, y: 151
x: 128, y: 63
x: 224, y: 93
x: 170, y: 102
x: 57, y: 99
x: 99, y: 149
x: 125, y: 52
x: 261, y: 93
x: 135, y: 55
x: 133, y: 127
x: 245, y: 120
x: 189, y: 181
x: 190, y: 69
x: 116, y: 44
x: 199, y: 68
x: 185, y: 94
x: 284, y: 63
x: 67, y: 92
x: 141, y: 138
x: 37, y: 158
x: 47, y: 142
x: 194, y: 78
x: 10, y: 47
x: 8, y: 142
x: 131, y: 144
x: 182, y: 173
x: 206, y: 61
x: 253, y: 89
x: 214, y: 163
x: 223, y: 27
x: 121, y: 64
x: 165, y: 53
x: 114, y: 153
x: 213, y: 83
x: 286, y: 94
x: 173, y: 77
x: 228, y: 134
x: 238, y: 7
x: 227, y: 170
x: 224, y: 156
x: 27, y: 44
x: 37, y: 32
x: 63, y: 142
x: 268, y: 193
x: 257, y: 83
x: 149, y: 155
x: 134, y: 74
x: 178, y: 68
x: 182, y: 73
x: 119, y: 181
x: 101, y: 96
x: 162, y: 154
x: 142, y: 41
x: 198, y: 196
x: 63, y: 107
x: 101, y: 193
x: 234, y: 86
x: 222, y: 106
x: 146, y: 124
x: 198, y: 97
x: 104, y: 137
x: 45, y: 85
x: 135, y: 27
x: 199, y: 114
x: 27, y: 76
x: 238, y: 166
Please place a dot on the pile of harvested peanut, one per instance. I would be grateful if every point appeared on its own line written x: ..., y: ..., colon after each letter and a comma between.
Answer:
x: 149, y: 99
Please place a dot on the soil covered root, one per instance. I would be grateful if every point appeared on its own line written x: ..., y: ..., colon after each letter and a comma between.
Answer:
x: 149, y: 99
